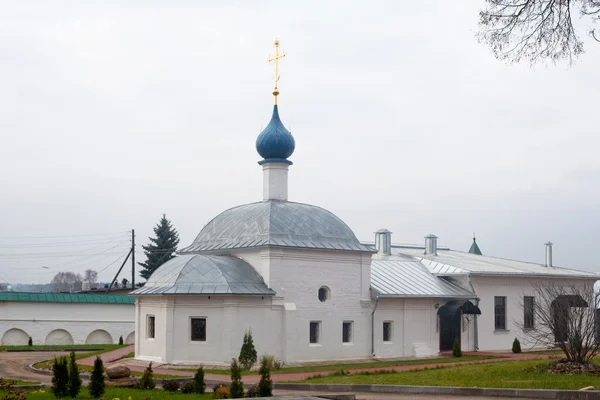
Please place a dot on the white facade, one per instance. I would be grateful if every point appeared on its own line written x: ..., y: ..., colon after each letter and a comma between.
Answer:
x: 65, y: 323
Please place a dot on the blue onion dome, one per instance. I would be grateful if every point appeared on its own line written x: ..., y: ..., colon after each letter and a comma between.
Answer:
x: 275, y: 142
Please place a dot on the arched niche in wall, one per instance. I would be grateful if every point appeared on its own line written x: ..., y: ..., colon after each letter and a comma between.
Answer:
x: 99, y: 336
x: 130, y: 338
x: 59, y: 336
x: 15, y: 337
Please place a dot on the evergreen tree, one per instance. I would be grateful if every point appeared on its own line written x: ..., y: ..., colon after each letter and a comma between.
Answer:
x: 248, y: 354
x: 30, y: 342
x: 516, y: 348
x: 121, y: 340
x: 147, y: 381
x: 74, y: 378
x: 199, y: 380
x: 456, y: 351
x: 237, y: 387
x: 265, y: 385
x: 161, y: 248
x: 60, y: 377
x: 96, y: 385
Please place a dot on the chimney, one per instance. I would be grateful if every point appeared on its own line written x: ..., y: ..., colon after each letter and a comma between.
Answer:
x: 549, y: 255
x: 431, y: 244
x: 383, y: 242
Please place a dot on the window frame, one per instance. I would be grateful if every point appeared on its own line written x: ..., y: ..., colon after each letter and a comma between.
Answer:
x: 391, y: 331
x: 528, y: 312
x: 500, y: 316
x: 191, y: 330
x: 317, y: 333
x: 150, y: 327
x: 350, y: 325
x: 327, y: 294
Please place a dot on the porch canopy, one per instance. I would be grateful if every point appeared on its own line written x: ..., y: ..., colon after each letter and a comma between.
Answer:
x: 456, y: 307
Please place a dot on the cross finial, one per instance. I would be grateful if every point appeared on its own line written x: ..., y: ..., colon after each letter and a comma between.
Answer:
x: 275, y: 59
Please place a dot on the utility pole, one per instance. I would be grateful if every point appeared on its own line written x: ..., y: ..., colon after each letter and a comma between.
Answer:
x: 133, y: 259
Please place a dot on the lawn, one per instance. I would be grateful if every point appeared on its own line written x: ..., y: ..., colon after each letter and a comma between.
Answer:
x: 18, y: 382
x: 345, y: 366
x: 119, y: 393
x: 504, y: 374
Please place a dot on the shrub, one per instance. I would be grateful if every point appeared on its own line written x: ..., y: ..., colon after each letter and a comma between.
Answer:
x: 273, y: 362
x: 147, y: 381
x: 265, y: 385
x: 237, y: 387
x: 6, y: 384
x: 188, y: 387
x: 516, y: 348
x: 30, y: 341
x: 96, y: 385
x: 221, y: 392
x: 74, y: 378
x: 252, y: 391
x: 199, y: 380
x: 171, y: 385
x: 248, y: 354
x: 121, y: 340
x: 456, y: 351
x: 60, y: 377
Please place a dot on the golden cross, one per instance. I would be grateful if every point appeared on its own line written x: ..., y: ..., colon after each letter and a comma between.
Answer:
x: 275, y: 59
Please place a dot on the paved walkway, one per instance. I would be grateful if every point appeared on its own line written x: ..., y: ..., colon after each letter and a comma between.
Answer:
x: 115, y: 357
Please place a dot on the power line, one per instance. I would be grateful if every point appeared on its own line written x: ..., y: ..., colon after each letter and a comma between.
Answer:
x: 62, y: 236
x: 62, y: 244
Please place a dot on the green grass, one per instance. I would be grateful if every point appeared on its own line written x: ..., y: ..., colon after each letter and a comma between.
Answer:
x: 504, y: 374
x: 129, y: 355
x: 105, y: 348
x: 18, y: 382
x: 61, y: 347
x: 118, y: 393
x: 337, y: 367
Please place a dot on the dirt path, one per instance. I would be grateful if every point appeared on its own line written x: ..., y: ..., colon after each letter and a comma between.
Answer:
x: 13, y: 365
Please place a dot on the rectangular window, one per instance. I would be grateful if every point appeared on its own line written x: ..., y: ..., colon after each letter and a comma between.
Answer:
x: 500, y: 312
x: 150, y: 327
x: 314, y: 332
x: 387, y: 331
x: 198, y: 329
x: 347, y: 332
x: 528, y: 321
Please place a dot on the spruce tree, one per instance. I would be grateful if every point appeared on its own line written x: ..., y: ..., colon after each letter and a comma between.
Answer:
x: 237, y: 387
x: 265, y: 385
x: 200, y: 385
x: 147, y: 381
x: 161, y: 248
x: 74, y: 378
x: 516, y: 347
x: 456, y: 351
x: 96, y: 385
x: 60, y: 377
x: 248, y: 354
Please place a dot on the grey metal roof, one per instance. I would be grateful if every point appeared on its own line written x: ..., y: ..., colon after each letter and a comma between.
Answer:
x: 206, y: 275
x: 396, y: 277
x: 452, y: 262
x: 276, y: 223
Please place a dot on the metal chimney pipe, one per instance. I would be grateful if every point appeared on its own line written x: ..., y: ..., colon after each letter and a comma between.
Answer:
x: 383, y: 242
x: 548, y: 255
x: 431, y: 244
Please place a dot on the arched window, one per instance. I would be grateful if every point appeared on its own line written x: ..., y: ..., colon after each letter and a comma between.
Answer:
x: 323, y: 294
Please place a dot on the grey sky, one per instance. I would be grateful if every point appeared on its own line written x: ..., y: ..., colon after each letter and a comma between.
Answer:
x: 114, y: 113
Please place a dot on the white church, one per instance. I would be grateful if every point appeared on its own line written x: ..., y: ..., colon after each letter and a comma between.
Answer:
x: 296, y: 275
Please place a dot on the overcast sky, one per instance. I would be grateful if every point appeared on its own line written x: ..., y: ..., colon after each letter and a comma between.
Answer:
x: 112, y: 113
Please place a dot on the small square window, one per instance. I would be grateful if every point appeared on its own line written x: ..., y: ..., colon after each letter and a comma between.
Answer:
x: 347, y: 332
x: 314, y: 332
x: 387, y: 331
x: 150, y: 327
x: 198, y: 326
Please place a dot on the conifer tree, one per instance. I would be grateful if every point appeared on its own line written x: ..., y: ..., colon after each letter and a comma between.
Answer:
x: 74, y: 378
x: 456, y: 350
x: 265, y: 385
x: 516, y: 347
x: 199, y: 380
x: 237, y: 387
x: 161, y: 247
x: 96, y: 385
x: 248, y: 354
x: 60, y: 377
x: 147, y: 381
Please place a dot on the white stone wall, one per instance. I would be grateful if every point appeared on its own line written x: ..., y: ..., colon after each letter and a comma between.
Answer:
x: 64, y: 323
x: 514, y: 288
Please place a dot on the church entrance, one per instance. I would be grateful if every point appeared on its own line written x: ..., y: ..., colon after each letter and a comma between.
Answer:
x: 450, y: 320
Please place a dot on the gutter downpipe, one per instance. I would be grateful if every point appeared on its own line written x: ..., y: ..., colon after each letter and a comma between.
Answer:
x: 373, y: 327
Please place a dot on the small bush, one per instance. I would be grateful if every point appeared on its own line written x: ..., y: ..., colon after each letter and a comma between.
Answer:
x: 147, y: 381
x: 221, y: 392
x: 30, y: 341
x: 516, y: 347
x: 252, y: 391
x: 60, y: 377
x: 248, y: 355
x: 121, y: 340
x: 96, y: 385
x: 265, y: 385
x: 74, y: 378
x: 6, y: 384
x: 274, y: 362
x: 199, y: 380
x: 188, y: 387
x: 456, y: 351
x: 237, y: 387
x: 171, y: 385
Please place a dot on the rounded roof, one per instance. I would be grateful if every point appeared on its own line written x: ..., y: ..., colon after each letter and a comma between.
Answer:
x: 207, y: 275
x: 276, y: 223
x: 275, y: 142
